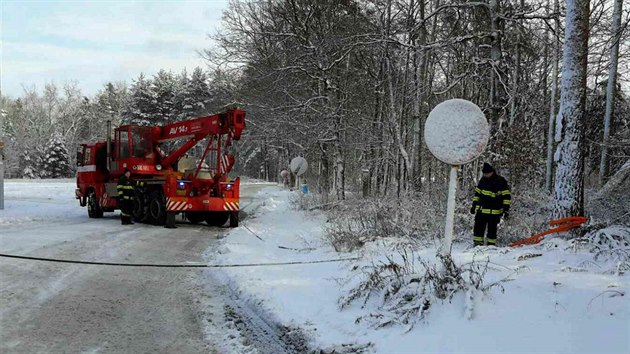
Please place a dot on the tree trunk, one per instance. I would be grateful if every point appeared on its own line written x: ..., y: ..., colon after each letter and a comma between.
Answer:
x: 324, y: 174
x: 496, y: 92
x: 610, y: 90
x: 339, y: 163
x: 552, y: 100
x: 517, y: 72
x: 416, y: 141
x: 398, y: 132
x: 569, y: 180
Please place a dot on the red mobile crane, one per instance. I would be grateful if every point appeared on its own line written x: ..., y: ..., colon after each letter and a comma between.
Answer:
x: 172, y: 184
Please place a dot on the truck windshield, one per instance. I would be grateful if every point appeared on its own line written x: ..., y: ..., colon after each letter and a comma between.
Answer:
x: 141, y: 142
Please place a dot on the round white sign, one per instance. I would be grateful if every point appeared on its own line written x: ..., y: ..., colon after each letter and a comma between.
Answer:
x: 298, y: 165
x: 456, y: 131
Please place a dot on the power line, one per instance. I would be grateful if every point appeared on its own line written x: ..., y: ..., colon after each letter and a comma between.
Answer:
x: 197, y: 265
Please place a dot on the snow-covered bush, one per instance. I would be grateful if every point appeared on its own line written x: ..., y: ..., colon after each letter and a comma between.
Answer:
x: 420, y: 219
x: 310, y: 201
x: 609, y: 245
x: 611, y: 204
x: 29, y: 164
x: 417, y: 219
x: 529, y: 214
x: 405, y: 290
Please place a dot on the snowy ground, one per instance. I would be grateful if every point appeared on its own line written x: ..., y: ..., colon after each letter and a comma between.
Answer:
x: 560, y: 302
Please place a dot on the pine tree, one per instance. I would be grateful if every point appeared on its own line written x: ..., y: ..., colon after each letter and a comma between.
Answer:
x: 29, y: 165
x: 111, y: 101
x: 163, y: 89
x: 56, y: 162
x: 141, y: 106
x: 182, y: 96
x: 199, y: 94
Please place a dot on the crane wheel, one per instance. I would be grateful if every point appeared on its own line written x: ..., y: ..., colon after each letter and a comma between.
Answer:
x: 234, y: 219
x: 216, y: 218
x: 93, y: 207
x: 157, y: 208
x: 139, y: 212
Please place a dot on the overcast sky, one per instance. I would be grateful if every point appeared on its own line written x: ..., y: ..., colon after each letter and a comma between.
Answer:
x: 94, y: 42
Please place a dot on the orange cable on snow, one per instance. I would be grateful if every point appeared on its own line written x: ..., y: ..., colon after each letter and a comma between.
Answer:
x: 563, y: 224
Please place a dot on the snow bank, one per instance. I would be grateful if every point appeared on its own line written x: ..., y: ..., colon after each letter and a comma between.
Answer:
x: 35, y: 205
x: 556, y: 298
x: 36, y: 200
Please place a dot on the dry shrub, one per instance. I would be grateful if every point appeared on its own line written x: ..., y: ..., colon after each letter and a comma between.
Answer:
x: 419, y: 219
x: 405, y: 291
x: 529, y: 214
x: 610, y: 246
x: 611, y: 204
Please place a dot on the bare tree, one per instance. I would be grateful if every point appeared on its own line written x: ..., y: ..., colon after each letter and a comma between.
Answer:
x: 553, y: 98
x: 610, y: 90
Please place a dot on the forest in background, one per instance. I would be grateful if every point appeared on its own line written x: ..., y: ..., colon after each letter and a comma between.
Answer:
x: 348, y: 85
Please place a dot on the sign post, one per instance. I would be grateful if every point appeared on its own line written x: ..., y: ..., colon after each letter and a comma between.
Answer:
x: 456, y: 132
x: 450, y: 211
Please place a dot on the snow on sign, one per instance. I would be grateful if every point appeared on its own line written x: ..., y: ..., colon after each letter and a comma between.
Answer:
x: 298, y: 165
x: 456, y: 131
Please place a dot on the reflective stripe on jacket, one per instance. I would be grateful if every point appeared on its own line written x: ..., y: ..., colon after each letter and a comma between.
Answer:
x: 492, y: 195
x: 125, y: 188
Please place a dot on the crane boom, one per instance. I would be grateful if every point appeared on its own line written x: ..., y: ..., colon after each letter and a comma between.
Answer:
x: 231, y: 123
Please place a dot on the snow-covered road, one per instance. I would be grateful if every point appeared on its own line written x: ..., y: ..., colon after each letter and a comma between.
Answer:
x: 60, y: 307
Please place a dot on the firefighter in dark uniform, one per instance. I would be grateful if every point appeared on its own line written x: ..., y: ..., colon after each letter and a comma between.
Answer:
x: 126, y: 196
x: 490, y: 202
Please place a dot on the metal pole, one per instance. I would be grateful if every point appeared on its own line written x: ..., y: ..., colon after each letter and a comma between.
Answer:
x: 2, y: 114
x: 450, y: 212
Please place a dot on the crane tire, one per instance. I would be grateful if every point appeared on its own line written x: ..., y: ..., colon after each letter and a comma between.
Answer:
x: 138, y: 212
x: 157, y: 208
x: 234, y: 219
x: 93, y: 207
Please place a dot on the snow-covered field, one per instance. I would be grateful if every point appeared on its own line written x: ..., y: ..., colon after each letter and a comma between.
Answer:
x: 29, y: 199
x: 31, y: 203
x: 562, y: 301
